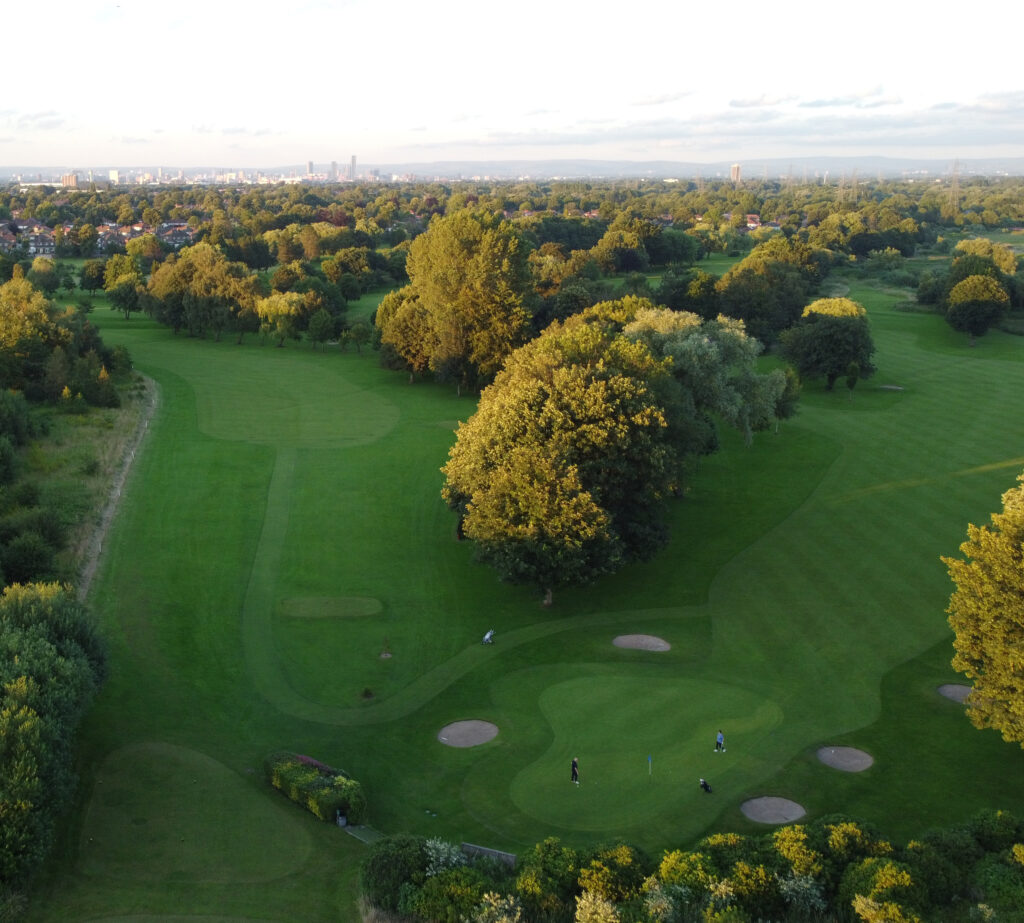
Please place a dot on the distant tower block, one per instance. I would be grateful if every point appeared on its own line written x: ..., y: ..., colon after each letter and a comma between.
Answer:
x: 734, y: 172
x: 352, y: 169
x: 309, y: 167
x: 334, y: 170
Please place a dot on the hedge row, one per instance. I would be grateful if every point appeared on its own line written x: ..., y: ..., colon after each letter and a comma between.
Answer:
x: 317, y: 787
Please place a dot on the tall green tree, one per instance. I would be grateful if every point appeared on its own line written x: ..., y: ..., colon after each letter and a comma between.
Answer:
x: 200, y: 290
x: 832, y: 335
x: 123, y: 283
x: 986, y: 612
x: 468, y: 275
x: 975, y: 304
x: 280, y: 313
x: 564, y: 471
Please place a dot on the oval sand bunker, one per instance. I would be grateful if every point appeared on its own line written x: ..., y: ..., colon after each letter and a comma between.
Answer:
x: 770, y: 810
x: 848, y: 759
x: 469, y: 733
x: 642, y: 642
x: 958, y: 692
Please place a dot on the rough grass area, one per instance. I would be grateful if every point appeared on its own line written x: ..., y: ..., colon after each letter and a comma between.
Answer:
x: 285, y: 494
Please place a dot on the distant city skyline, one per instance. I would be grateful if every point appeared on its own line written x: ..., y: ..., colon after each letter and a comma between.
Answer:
x: 204, y: 83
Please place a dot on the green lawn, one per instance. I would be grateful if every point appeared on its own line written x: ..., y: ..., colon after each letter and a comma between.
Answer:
x: 282, y: 528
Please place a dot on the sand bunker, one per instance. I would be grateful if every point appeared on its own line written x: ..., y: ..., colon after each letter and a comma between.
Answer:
x: 642, y: 642
x: 769, y: 810
x: 958, y: 692
x: 469, y: 733
x: 848, y: 759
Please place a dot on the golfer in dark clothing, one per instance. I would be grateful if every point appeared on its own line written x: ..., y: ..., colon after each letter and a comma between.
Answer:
x: 575, y: 770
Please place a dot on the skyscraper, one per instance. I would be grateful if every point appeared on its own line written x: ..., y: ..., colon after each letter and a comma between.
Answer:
x: 352, y: 169
x: 734, y: 173
x: 309, y: 167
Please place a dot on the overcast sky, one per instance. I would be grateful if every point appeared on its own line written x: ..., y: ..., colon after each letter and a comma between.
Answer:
x: 259, y: 84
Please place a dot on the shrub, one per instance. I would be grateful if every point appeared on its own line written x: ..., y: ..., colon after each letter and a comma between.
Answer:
x: 450, y: 896
x: 999, y: 882
x: 15, y: 417
x: 615, y: 872
x: 392, y: 862
x: 803, y: 895
x: 993, y: 830
x: 882, y: 881
x: 317, y: 787
x: 8, y: 461
x: 28, y: 558
x: 44, y: 521
x: 442, y: 855
x: 496, y: 908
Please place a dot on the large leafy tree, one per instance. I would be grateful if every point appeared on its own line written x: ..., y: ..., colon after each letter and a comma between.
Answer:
x: 563, y: 472
x: 469, y: 277
x: 975, y: 304
x: 986, y: 612
x: 123, y: 283
x: 280, y: 313
x: 832, y: 336
x: 202, y: 291
x: 767, y: 288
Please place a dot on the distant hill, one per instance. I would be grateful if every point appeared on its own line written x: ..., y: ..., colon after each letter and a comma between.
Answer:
x: 773, y: 168
x: 798, y: 168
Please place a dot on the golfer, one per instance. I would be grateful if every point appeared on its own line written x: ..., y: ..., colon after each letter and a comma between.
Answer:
x: 575, y: 770
x: 720, y: 742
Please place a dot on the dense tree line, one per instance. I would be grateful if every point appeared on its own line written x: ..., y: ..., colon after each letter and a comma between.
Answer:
x: 259, y: 225
x: 51, y: 663
x: 832, y: 868
x: 54, y: 354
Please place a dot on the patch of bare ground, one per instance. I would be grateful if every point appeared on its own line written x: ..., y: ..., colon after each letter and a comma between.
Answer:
x: 114, y: 455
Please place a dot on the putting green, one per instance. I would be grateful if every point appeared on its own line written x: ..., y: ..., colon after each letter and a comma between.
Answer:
x: 165, y: 813
x: 613, y: 723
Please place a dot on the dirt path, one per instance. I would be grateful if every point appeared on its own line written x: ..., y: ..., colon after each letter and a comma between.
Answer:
x: 94, y: 546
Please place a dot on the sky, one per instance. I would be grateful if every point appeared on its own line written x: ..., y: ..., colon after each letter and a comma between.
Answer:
x: 260, y: 84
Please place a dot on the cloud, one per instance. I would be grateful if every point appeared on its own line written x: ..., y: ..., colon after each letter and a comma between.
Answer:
x: 40, y: 121
x: 9, y: 139
x: 662, y: 99
x: 1007, y: 102
x: 868, y: 126
x: 131, y: 140
x: 866, y: 99
x: 759, y: 101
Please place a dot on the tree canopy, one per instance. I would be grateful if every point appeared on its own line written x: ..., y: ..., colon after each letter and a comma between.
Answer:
x: 975, y: 304
x: 51, y: 663
x: 563, y: 472
x: 200, y: 290
x: 831, y: 338
x: 986, y: 612
x: 469, y: 279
